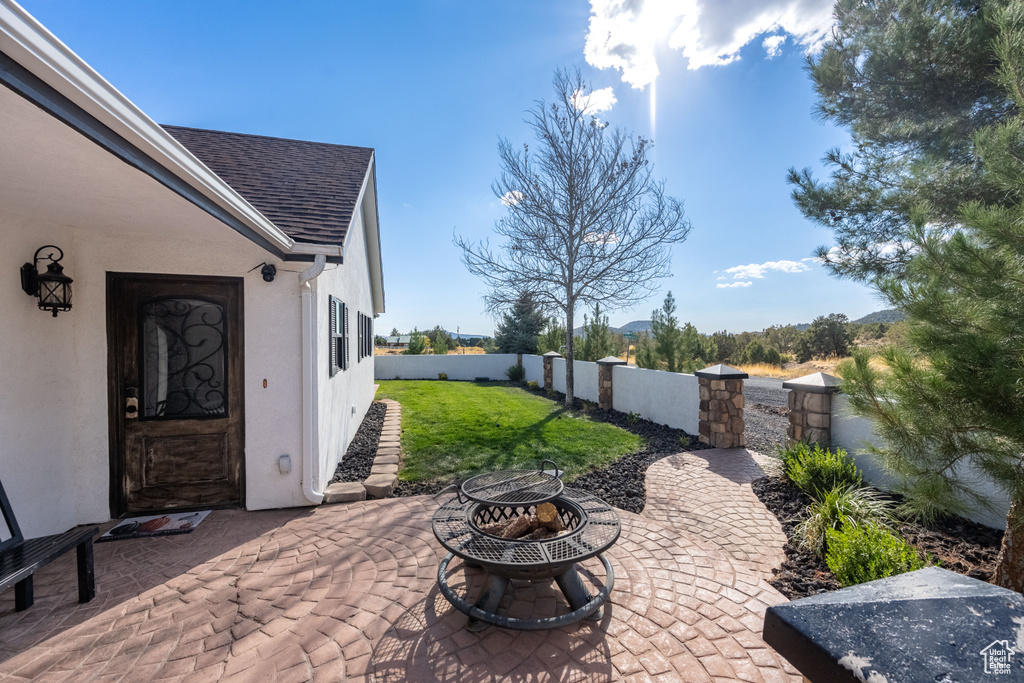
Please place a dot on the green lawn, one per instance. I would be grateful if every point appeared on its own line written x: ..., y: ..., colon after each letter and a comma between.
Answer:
x: 453, y: 429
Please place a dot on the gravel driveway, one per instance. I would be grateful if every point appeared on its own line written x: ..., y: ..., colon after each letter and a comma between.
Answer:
x: 766, y: 414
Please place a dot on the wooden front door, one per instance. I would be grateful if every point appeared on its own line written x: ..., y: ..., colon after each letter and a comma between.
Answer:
x: 177, y: 414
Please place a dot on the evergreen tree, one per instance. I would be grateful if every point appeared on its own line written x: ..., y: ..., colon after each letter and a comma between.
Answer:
x: 646, y: 356
x: 961, y: 405
x: 417, y: 343
x: 519, y: 328
x: 912, y: 81
x: 666, y: 333
x: 440, y: 346
x: 394, y: 332
x: 597, y: 341
x: 553, y: 337
x: 829, y: 336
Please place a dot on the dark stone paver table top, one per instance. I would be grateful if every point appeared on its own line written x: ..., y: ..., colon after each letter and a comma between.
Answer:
x: 928, y: 625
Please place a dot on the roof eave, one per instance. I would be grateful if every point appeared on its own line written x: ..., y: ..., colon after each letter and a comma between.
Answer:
x: 43, y: 55
x: 367, y: 200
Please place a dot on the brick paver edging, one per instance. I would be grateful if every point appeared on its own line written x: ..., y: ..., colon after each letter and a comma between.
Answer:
x: 384, y: 473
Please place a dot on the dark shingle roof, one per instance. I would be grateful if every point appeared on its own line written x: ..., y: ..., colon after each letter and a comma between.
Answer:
x: 307, y: 189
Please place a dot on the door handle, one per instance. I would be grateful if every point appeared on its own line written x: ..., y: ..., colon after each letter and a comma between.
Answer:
x: 131, y: 403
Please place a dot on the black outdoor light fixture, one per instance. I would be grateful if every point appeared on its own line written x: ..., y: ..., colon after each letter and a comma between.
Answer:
x: 52, y: 287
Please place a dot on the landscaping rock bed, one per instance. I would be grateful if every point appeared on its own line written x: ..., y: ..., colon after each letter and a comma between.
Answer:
x: 358, y: 460
x: 957, y: 544
x: 621, y: 482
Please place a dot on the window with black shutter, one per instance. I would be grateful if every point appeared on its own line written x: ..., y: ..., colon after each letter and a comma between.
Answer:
x: 339, y: 335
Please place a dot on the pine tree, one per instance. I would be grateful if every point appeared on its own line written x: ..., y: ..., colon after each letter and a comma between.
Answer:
x: 597, y: 340
x: 667, y: 335
x: 553, y: 337
x: 646, y: 356
x: 519, y: 327
x: 912, y: 81
x: 960, y: 405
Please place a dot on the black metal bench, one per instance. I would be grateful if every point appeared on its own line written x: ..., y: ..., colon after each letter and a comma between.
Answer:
x: 20, y: 559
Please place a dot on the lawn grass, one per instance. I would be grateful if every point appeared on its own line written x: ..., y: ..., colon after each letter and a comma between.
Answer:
x: 455, y: 429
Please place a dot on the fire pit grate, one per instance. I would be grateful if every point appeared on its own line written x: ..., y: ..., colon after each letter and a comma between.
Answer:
x: 510, y: 487
x: 591, y: 526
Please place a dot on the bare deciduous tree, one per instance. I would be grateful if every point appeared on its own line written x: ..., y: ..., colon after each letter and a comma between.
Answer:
x: 586, y: 222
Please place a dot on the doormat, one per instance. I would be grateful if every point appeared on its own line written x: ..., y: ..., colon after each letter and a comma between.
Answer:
x: 155, y: 525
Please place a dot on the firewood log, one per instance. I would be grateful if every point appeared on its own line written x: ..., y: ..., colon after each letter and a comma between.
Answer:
x: 520, y: 526
x: 494, y: 528
x: 549, y: 517
x: 541, y: 534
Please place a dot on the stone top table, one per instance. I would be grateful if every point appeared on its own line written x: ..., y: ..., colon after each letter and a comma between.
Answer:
x: 928, y: 625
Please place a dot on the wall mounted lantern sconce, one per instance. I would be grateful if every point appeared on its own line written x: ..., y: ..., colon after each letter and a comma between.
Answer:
x: 53, y: 288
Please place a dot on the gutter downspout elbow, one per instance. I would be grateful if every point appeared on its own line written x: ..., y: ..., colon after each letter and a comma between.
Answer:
x: 311, y: 486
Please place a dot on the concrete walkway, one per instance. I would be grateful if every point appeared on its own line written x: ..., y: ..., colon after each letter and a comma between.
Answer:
x: 348, y: 592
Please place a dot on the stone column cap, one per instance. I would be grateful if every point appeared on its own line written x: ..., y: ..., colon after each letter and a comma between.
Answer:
x: 818, y: 383
x: 552, y: 354
x: 721, y: 372
x: 611, y: 360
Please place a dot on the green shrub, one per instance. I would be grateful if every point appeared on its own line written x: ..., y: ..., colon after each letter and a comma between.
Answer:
x: 816, y: 471
x: 632, y: 418
x: 850, y: 506
x: 442, y: 375
x: 516, y: 373
x: 864, y: 553
x: 533, y: 385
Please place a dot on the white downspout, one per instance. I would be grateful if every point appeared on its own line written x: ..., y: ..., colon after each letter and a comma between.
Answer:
x: 311, y: 487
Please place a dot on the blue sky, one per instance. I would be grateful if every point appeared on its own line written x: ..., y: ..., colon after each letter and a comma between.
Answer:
x: 432, y: 85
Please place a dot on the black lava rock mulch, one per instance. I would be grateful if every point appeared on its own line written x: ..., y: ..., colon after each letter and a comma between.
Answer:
x: 620, y: 483
x: 358, y: 460
x: 954, y: 543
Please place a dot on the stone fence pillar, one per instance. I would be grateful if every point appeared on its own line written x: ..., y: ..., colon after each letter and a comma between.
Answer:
x: 604, y: 381
x: 810, y: 408
x: 721, y: 406
x: 549, y: 369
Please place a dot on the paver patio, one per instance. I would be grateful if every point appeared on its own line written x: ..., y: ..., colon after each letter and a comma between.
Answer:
x: 348, y: 592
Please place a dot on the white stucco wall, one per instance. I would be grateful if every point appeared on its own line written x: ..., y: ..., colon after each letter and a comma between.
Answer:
x: 855, y: 433
x: 534, y: 366
x: 668, y: 398
x: 344, y: 398
x: 54, y: 458
x: 584, y: 378
x: 457, y: 367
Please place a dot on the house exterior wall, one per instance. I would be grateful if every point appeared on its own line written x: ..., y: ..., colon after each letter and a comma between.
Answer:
x: 54, y: 457
x: 344, y: 398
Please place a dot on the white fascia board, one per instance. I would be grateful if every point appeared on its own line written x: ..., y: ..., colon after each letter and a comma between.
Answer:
x: 29, y: 43
x: 367, y: 202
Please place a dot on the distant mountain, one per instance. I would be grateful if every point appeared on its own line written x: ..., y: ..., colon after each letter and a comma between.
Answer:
x: 636, y: 326
x: 889, y: 315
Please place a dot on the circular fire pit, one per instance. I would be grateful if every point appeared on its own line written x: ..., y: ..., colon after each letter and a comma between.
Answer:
x: 590, y: 526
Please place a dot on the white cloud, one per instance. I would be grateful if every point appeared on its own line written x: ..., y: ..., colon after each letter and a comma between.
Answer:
x: 511, y: 198
x: 595, y: 102
x: 734, y: 284
x: 601, y: 238
x: 757, y: 270
x: 624, y: 34
x: 773, y: 46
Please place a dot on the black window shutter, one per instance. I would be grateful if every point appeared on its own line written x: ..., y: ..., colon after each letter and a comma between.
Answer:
x: 344, y: 334
x: 332, y: 340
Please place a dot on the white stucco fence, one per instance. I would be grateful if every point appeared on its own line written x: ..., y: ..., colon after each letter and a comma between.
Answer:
x: 668, y: 398
x: 855, y: 434
x: 584, y: 378
x: 457, y: 367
